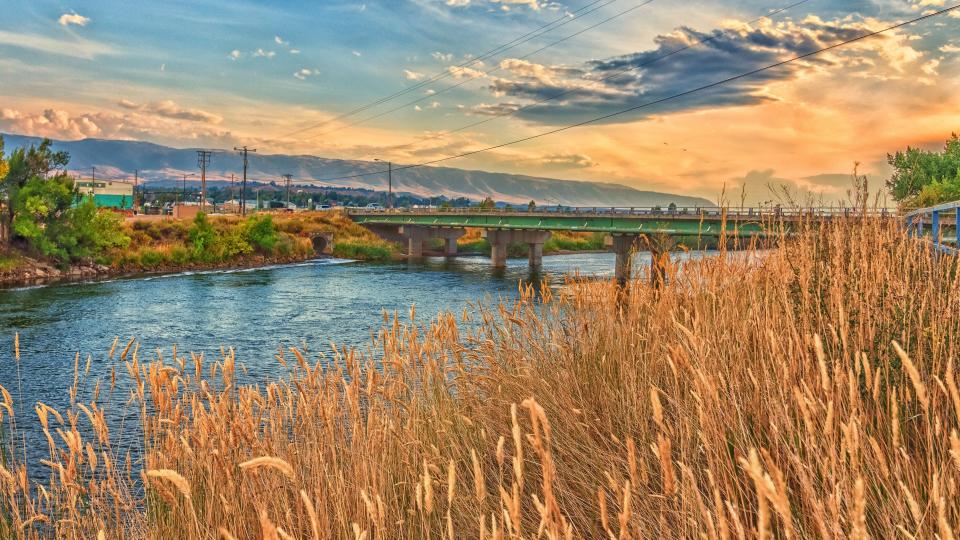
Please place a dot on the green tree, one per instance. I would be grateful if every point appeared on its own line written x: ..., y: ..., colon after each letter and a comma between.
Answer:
x: 39, y: 209
x: 531, y: 206
x: 922, y: 177
x: 487, y: 204
x: 45, y: 212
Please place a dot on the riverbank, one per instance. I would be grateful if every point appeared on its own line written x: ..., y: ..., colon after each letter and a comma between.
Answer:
x: 167, y: 245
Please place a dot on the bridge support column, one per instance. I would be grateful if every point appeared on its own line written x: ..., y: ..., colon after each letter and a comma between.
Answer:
x: 499, y: 239
x: 450, y: 247
x: 536, y: 255
x: 623, y: 247
x: 659, y: 247
x: 416, y: 235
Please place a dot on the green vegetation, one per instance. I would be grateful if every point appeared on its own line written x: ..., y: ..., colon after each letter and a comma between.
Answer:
x: 362, y: 251
x: 44, y: 213
x: 925, y: 178
x: 582, y: 242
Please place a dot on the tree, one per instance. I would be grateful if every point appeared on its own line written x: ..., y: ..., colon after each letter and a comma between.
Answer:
x: 45, y: 212
x: 487, y: 204
x: 922, y: 177
x: 531, y: 206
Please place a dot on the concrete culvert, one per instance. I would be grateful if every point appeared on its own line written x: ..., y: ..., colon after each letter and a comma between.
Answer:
x: 322, y: 243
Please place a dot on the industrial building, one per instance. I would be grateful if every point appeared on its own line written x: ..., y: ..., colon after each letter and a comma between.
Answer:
x: 107, y: 193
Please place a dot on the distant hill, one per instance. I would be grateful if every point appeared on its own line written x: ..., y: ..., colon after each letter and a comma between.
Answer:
x: 161, y: 164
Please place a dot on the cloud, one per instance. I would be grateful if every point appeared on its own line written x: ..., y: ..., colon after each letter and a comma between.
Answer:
x: 568, y: 161
x: 294, y: 51
x: 532, y: 4
x: 260, y: 53
x: 169, y: 109
x: 235, y: 55
x: 765, y: 187
x: 357, y: 53
x: 279, y: 41
x: 74, y: 47
x: 73, y: 18
x: 412, y: 75
x: 442, y: 57
x: 949, y: 48
x: 465, y: 73
x: 60, y: 124
x: 601, y: 87
x: 306, y: 73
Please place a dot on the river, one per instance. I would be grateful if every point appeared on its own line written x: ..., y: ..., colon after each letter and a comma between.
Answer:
x: 255, y: 311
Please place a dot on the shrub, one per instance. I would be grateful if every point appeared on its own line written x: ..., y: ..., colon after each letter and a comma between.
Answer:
x: 179, y: 255
x: 203, y: 238
x: 362, y: 251
x: 150, y: 258
x: 262, y: 233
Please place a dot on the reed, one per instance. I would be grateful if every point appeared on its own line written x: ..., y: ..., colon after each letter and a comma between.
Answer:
x: 804, y: 391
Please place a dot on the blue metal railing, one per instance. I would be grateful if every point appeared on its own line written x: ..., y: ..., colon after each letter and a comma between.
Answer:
x: 915, y: 220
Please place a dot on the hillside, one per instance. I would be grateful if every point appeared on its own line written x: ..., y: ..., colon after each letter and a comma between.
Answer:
x: 162, y: 164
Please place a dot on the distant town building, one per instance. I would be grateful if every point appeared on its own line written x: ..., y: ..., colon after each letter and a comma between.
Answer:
x: 107, y: 193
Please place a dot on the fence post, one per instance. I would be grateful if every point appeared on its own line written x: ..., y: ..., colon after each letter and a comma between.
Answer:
x: 935, y: 227
x: 956, y: 221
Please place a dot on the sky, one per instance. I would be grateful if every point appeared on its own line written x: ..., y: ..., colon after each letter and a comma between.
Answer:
x: 299, y: 76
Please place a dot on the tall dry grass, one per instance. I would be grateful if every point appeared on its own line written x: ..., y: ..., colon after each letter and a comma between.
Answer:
x: 809, y: 391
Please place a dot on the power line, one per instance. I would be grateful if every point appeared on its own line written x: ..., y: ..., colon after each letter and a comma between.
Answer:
x: 563, y: 20
x: 488, y: 72
x: 660, y: 100
x: 607, y: 77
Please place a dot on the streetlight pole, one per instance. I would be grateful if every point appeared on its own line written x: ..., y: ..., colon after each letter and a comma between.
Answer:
x: 389, y: 182
x: 183, y: 192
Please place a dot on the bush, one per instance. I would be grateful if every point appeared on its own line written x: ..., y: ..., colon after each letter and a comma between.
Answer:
x: 204, y: 239
x: 262, y: 233
x: 362, y: 251
x: 179, y: 255
x: 150, y: 258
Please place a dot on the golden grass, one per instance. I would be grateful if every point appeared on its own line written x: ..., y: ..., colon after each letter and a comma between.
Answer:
x: 806, y: 392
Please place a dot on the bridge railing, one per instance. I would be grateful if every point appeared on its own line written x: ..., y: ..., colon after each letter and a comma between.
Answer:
x: 667, y: 212
x: 937, y: 217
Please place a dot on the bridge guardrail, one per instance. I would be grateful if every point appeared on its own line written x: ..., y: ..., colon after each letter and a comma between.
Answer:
x: 914, y: 222
x: 678, y: 212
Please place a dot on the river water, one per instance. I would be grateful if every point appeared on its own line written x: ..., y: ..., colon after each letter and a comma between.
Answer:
x: 255, y: 311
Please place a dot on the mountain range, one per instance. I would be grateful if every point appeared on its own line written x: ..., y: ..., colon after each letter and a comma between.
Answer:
x: 158, y: 165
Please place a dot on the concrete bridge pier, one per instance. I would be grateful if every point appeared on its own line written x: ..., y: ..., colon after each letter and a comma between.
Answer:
x: 623, y: 246
x: 416, y: 235
x: 659, y: 248
x: 499, y: 239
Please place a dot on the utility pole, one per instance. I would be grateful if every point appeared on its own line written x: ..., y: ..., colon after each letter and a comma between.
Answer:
x: 233, y: 192
x: 203, y: 159
x: 93, y: 182
x: 243, y: 189
x: 287, y: 178
x: 135, y: 181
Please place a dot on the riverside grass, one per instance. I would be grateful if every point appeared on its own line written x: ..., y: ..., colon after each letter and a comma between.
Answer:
x: 807, y: 391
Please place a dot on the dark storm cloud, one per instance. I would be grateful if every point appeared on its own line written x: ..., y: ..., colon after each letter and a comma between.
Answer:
x: 602, y: 87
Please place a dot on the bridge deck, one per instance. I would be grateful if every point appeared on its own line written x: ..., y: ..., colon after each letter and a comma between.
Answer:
x: 699, y: 222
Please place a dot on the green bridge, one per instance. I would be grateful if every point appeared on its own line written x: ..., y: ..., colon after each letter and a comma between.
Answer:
x: 626, y: 227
